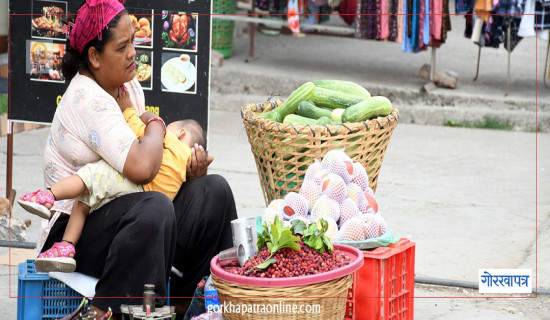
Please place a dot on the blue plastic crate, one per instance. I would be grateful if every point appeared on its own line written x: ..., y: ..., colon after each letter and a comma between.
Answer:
x: 42, y: 297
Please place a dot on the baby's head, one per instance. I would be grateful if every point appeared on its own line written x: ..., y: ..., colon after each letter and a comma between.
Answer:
x: 189, y: 132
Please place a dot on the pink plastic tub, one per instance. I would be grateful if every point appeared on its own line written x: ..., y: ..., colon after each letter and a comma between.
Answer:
x: 356, y: 258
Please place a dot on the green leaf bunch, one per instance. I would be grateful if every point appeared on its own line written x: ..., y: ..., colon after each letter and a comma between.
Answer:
x: 313, y: 236
x: 275, y: 237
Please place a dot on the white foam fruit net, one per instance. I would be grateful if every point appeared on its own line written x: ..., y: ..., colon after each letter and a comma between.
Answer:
x: 332, y: 230
x: 311, y: 191
x: 343, y: 168
x: 360, y: 176
x: 335, y: 154
x: 354, y: 192
x: 352, y: 230
x: 348, y: 210
x: 312, y: 170
x: 319, y: 176
x: 369, y: 191
x: 294, y: 205
x: 276, y: 204
x: 325, y: 207
x: 334, y: 187
x: 375, y: 226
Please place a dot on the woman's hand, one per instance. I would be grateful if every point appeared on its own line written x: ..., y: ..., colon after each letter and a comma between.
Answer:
x: 123, y: 99
x: 198, y: 163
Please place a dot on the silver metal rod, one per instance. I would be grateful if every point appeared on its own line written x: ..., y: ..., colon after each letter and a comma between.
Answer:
x: 432, y: 74
x: 18, y: 244
x: 322, y: 28
x: 478, y: 58
x: 508, y: 40
x: 545, y: 75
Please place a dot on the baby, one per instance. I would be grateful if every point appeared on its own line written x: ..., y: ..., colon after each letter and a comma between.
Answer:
x: 96, y: 184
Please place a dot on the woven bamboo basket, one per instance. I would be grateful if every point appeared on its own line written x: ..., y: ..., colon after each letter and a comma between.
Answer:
x: 283, y: 152
x: 330, y: 296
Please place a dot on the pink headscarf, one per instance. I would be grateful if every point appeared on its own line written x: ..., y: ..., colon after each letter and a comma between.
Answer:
x: 91, y: 19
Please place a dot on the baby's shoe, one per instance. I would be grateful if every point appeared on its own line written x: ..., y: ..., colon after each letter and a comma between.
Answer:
x: 56, y: 259
x: 37, y: 205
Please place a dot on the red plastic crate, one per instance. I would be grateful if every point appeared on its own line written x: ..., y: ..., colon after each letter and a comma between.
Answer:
x: 384, y: 286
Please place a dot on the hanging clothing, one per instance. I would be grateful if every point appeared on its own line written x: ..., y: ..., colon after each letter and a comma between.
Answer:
x: 367, y: 19
x: 384, y: 19
x: 400, y: 12
x: 348, y: 11
x: 394, y: 20
x: 469, y: 25
x: 497, y: 32
x: 293, y: 16
x: 505, y: 14
x: 509, y: 7
x: 527, y: 25
x: 314, y: 14
x: 275, y: 7
x: 426, y: 35
x: 436, y: 20
x: 416, y: 23
x: 543, y: 15
x: 446, y: 21
x: 483, y: 8
x: 464, y: 6
x: 406, y: 45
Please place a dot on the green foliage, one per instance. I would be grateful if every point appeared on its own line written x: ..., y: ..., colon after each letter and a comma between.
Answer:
x: 3, y: 103
x: 281, y: 237
x: 312, y: 236
x: 486, y: 123
x: 266, y: 263
x: 277, y: 238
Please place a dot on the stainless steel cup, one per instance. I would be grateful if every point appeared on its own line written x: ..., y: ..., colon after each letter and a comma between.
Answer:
x: 245, y: 234
x: 232, y: 257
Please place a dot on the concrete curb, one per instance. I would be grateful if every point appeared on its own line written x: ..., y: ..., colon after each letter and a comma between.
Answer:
x: 435, y: 107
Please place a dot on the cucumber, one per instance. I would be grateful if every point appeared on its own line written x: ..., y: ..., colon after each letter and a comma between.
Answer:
x: 336, y: 114
x: 310, y: 110
x: 343, y: 86
x: 304, y: 92
x: 377, y: 106
x: 297, y: 119
x: 273, y: 115
x: 334, y: 99
x: 324, y: 120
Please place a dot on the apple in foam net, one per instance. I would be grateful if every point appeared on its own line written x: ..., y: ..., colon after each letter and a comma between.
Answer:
x: 335, y: 187
x: 325, y: 207
x: 311, y: 191
x: 294, y: 204
x: 348, y: 210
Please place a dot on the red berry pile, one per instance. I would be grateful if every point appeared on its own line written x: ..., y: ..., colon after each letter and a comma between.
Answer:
x: 291, y: 263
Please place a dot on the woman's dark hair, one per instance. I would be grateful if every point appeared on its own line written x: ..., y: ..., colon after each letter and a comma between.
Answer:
x: 73, y: 60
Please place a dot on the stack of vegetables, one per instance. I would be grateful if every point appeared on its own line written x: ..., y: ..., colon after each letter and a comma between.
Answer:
x: 323, y: 102
x: 336, y: 190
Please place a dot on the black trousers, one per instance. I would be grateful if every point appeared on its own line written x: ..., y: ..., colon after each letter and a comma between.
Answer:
x: 136, y: 239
